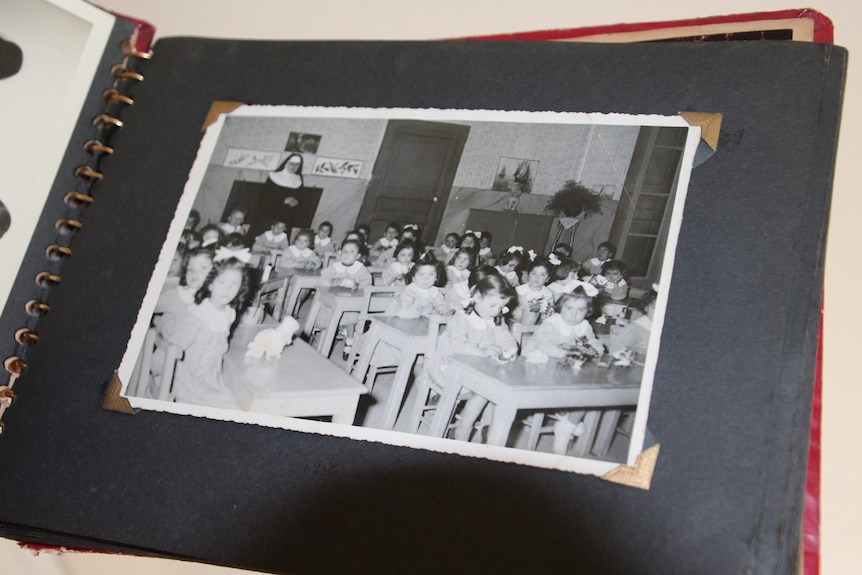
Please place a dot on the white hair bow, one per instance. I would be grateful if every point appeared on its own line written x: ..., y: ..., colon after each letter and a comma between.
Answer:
x: 225, y: 253
x: 413, y: 227
x: 475, y: 234
x: 532, y: 255
x: 514, y: 249
x: 554, y: 259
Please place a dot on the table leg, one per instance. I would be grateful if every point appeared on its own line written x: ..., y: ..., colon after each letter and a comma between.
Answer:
x: 369, y: 344
x: 278, y: 307
x: 346, y: 413
x: 308, y: 330
x: 292, y: 296
x: 501, y: 424
x: 607, y: 429
x: 399, y: 385
x: 328, y: 337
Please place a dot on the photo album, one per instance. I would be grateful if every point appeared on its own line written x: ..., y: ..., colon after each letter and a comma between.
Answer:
x: 419, y: 306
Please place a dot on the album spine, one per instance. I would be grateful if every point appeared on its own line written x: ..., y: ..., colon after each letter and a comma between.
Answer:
x: 115, y: 94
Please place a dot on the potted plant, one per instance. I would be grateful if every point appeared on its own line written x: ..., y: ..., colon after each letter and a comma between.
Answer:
x: 575, y: 200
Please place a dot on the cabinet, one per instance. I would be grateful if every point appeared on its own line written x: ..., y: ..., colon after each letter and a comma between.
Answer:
x: 530, y: 231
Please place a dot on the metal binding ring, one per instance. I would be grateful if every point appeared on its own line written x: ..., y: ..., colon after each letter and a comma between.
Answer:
x: 105, y: 119
x: 87, y: 173
x: 123, y: 73
x: 55, y: 252
x: 112, y: 94
x: 26, y: 337
x: 95, y: 146
x: 14, y: 365
x: 76, y: 199
x: 35, y: 307
x: 129, y: 49
x: 47, y: 279
x: 65, y: 225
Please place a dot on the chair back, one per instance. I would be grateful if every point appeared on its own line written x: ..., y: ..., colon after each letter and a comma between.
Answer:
x: 522, y: 334
x: 143, y: 374
x: 375, y: 300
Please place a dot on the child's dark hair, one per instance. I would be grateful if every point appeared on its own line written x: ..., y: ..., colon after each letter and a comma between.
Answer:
x: 454, y: 235
x: 577, y: 294
x: 428, y: 260
x: 414, y: 231
x: 187, y: 257
x: 394, y: 226
x: 309, y: 234
x: 481, y: 272
x: 469, y: 234
x: 195, y: 216
x: 487, y: 235
x: 564, y: 268
x: 352, y: 242
x: 610, y: 247
x: 234, y: 240
x: 507, y: 257
x: 404, y: 245
x: 492, y: 284
x: 563, y: 250
x: 614, y: 265
x: 644, y: 301
x: 326, y: 224
x: 212, y: 227
x: 472, y: 254
x: 542, y: 262
x: 241, y: 299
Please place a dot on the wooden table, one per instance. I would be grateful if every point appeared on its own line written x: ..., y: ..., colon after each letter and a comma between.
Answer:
x: 339, y: 300
x: 300, y: 383
x: 411, y: 338
x: 549, y: 386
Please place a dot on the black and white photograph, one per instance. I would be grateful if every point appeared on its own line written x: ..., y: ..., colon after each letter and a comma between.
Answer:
x: 411, y: 302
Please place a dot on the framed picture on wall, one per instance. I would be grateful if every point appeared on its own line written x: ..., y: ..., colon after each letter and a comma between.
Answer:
x: 515, y: 175
x: 302, y: 143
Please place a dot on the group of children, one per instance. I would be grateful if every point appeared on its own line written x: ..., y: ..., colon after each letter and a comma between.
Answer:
x: 489, y: 296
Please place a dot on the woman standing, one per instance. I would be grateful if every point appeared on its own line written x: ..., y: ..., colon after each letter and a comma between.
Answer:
x: 282, y: 193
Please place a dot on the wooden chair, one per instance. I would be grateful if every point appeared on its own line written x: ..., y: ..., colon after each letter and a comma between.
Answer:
x: 143, y: 375
x: 423, y: 406
x: 375, y: 300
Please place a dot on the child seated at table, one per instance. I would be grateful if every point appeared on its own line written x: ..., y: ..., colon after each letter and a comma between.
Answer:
x: 235, y: 223
x: 568, y: 326
x: 486, y: 255
x: 386, y: 244
x: 348, y: 272
x: 630, y: 343
x: 478, y: 330
x: 395, y: 272
x: 445, y: 251
x: 508, y: 265
x: 535, y: 299
x: 202, y: 334
x: 458, y: 295
x: 323, y: 243
x: 273, y: 239
x: 604, y: 253
x: 566, y: 280
x: 612, y: 281
x: 422, y: 297
x: 300, y: 255
x: 459, y: 267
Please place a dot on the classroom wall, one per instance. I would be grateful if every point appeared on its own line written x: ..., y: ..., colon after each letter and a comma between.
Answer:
x: 597, y: 156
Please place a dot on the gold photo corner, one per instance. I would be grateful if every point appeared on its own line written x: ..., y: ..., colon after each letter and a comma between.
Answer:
x: 639, y: 476
x: 113, y: 401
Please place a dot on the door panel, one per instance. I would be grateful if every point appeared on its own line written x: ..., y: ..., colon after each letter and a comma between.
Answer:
x: 413, y: 176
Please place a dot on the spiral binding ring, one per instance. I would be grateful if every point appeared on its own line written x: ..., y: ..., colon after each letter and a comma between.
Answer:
x: 77, y: 199
x: 14, y: 365
x: 96, y: 147
x: 55, y: 252
x: 47, y: 279
x: 67, y: 226
x: 87, y: 173
x: 129, y: 49
x: 36, y: 308
x: 113, y: 95
x: 26, y: 337
x: 122, y: 72
x: 105, y: 120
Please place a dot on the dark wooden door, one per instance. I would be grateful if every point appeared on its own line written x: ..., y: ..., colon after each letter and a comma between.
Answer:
x: 413, y: 176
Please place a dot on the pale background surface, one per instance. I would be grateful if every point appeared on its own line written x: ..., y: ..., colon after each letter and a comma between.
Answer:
x: 396, y: 19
